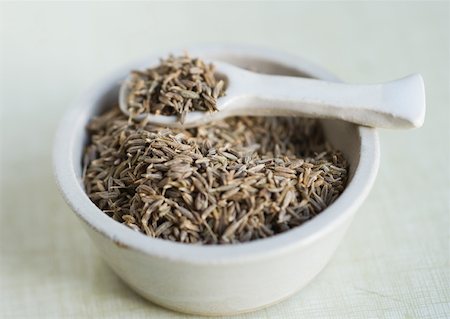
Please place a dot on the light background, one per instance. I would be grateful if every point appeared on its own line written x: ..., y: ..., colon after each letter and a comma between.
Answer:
x: 394, y: 261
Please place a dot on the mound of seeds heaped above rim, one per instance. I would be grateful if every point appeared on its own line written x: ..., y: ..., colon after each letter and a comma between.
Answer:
x: 231, y: 181
x: 178, y: 85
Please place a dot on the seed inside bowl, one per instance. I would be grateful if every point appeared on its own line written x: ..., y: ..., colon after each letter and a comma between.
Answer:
x: 176, y: 86
x: 230, y: 181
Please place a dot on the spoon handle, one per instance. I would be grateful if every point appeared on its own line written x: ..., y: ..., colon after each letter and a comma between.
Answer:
x: 396, y: 104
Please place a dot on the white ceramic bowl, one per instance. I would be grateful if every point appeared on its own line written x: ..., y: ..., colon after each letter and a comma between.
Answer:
x: 226, y: 279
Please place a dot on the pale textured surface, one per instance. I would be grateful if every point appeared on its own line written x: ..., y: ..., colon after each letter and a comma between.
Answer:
x: 394, y: 261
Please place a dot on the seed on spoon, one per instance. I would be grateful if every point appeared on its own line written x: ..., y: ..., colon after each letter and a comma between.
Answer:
x: 176, y: 86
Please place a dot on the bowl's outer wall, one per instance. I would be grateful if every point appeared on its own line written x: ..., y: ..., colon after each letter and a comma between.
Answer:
x: 220, y: 289
x: 226, y: 288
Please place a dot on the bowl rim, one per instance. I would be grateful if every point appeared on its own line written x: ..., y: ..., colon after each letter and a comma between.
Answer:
x: 329, y: 219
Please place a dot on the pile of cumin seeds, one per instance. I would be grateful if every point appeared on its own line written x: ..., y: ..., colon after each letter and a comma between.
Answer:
x: 176, y: 86
x: 231, y: 181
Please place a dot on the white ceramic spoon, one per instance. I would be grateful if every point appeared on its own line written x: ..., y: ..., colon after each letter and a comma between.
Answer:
x: 396, y: 104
